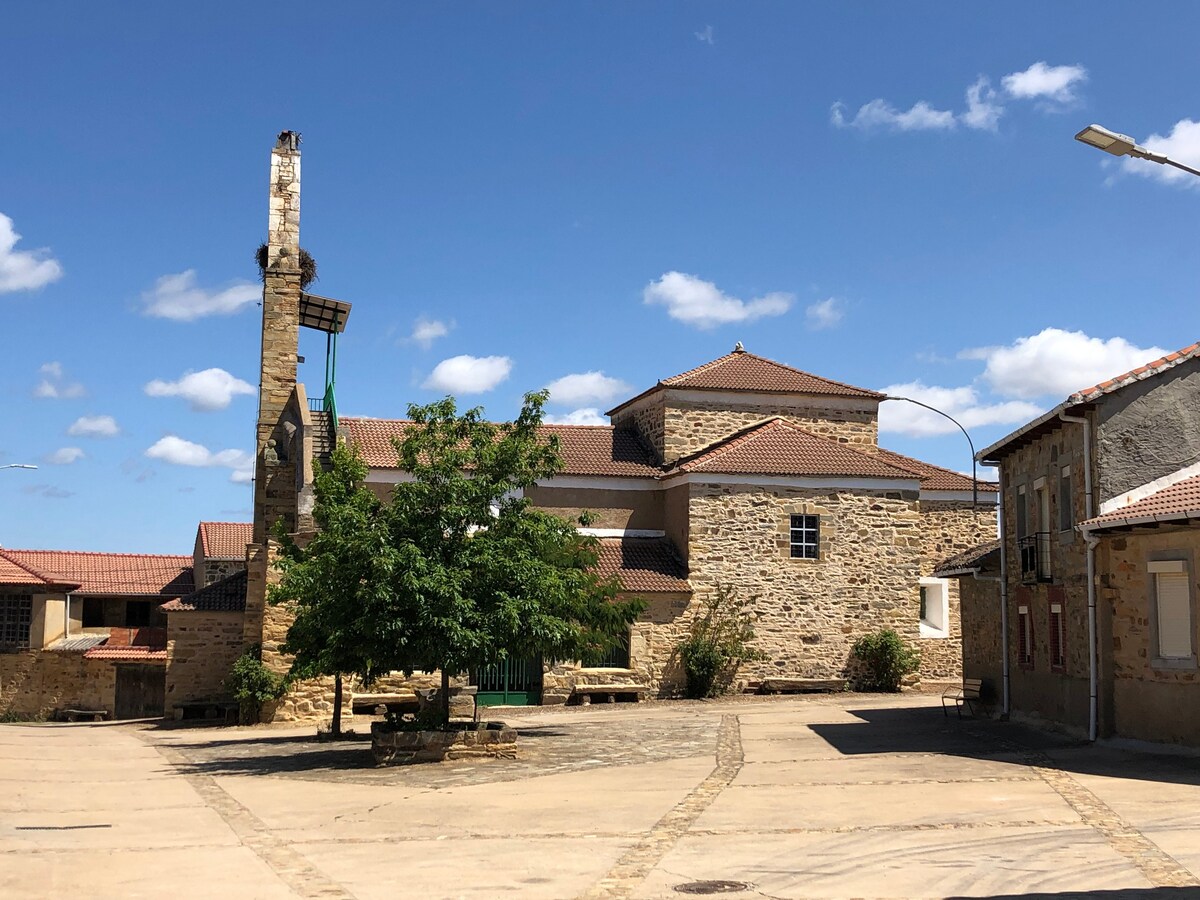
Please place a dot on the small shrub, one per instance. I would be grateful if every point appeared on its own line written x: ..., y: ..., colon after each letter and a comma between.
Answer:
x: 718, y: 643
x: 884, y: 659
x: 252, y: 684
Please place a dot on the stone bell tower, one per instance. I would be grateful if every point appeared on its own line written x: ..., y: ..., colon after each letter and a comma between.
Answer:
x: 279, y: 462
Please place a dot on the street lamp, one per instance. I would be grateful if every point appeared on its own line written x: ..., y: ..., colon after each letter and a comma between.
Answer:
x: 970, y: 443
x: 1123, y: 145
x: 17, y: 466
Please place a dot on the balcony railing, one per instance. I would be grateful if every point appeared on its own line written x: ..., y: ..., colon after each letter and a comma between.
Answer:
x: 1035, y: 557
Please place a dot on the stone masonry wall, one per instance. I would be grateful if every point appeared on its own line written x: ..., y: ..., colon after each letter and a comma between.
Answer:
x: 201, y: 649
x: 691, y: 425
x: 810, y: 611
x: 982, y: 657
x: 949, y: 527
x: 647, y: 420
x: 35, y: 683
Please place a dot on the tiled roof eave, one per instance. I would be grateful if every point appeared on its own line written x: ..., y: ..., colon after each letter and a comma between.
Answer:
x: 1104, y: 523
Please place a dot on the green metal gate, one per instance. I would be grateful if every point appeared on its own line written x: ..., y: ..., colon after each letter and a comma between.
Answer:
x: 510, y: 682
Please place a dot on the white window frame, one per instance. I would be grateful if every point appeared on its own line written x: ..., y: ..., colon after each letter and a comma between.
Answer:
x: 805, y: 545
x: 1174, y: 627
x: 936, y: 623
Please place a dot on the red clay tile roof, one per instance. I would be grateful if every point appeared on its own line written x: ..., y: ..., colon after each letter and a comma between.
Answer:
x: 935, y: 478
x: 225, y: 540
x: 985, y: 556
x: 132, y: 645
x: 127, y: 654
x: 1141, y: 372
x: 226, y: 595
x: 1179, y: 502
x: 15, y: 572
x: 586, y: 449
x: 742, y: 371
x: 108, y: 573
x: 643, y: 564
x: 777, y: 447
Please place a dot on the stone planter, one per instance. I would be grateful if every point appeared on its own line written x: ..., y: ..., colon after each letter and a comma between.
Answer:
x: 493, y: 740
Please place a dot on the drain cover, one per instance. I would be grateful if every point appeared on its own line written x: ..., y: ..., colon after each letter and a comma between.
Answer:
x: 713, y: 887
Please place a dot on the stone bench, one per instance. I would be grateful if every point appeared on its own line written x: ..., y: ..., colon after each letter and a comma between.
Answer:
x: 610, y: 692
x: 225, y: 710
x: 90, y: 715
x: 399, y: 701
x: 802, y: 685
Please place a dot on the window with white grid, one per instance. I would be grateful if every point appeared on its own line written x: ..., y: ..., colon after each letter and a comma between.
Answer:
x: 805, y: 537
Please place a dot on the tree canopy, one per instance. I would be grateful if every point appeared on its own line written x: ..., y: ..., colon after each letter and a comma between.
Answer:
x: 457, y: 569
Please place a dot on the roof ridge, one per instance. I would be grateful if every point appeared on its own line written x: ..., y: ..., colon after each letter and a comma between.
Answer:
x: 174, y: 556
x: 1153, y: 367
x: 734, y: 438
x: 46, y: 577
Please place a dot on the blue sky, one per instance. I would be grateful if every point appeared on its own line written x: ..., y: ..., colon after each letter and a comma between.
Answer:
x: 887, y: 195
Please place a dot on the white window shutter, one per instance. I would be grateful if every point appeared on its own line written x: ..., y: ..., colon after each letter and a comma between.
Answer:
x: 1174, y: 615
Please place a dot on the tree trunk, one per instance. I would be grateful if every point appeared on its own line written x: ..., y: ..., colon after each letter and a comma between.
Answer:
x: 335, y: 727
x: 445, y: 692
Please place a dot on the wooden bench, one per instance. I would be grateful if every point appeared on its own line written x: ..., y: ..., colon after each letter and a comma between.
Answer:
x: 962, y: 696
x: 585, y: 692
x: 91, y: 715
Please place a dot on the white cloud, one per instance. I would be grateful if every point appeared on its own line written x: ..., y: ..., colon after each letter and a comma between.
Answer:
x: 1182, y: 145
x: 881, y: 114
x: 468, y: 374
x: 705, y: 36
x: 983, y: 112
x: 178, y: 452
x: 178, y: 297
x: 1045, y: 82
x: 206, y: 391
x: 572, y: 390
x: 94, y: 426
x: 1057, y: 362
x: 824, y: 314
x: 694, y: 301
x: 962, y: 403
x: 426, y: 331
x: 54, y: 384
x: 64, y: 456
x: 588, y: 415
x: 23, y: 270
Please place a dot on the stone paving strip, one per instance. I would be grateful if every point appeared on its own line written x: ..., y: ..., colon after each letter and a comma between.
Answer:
x: 633, y: 866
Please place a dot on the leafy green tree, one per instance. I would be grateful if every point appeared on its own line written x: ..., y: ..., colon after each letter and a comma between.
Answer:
x: 330, y: 580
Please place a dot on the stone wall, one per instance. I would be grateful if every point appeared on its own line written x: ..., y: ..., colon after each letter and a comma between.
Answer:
x: 201, y: 649
x: 692, y: 425
x: 646, y: 418
x: 213, y: 570
x: 810, y: 611
x: 982, y: 656
x: 949, y: 527
x: 1148, y: 694
x: 36, y: 683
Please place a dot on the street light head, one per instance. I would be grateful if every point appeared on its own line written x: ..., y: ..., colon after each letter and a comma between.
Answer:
x: 17, y: 466
x: 1108, y: 141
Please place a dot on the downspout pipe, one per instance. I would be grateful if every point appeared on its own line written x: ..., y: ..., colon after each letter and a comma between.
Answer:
x: 1004, y: 669
x: 1091, y: 540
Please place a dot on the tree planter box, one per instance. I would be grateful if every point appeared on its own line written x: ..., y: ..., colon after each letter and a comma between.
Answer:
x: 493, y: 740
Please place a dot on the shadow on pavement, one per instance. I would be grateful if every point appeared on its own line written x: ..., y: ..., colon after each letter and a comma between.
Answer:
x: 1151, y: 893
x: 926, y: 730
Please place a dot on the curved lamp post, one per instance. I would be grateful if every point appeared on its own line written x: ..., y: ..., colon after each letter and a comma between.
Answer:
x: 1123, y: 145
x: 17, y: 466
x: 970, y: 443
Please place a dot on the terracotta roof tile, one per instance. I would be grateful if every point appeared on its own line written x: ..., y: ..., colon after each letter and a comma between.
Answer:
x: 586, y: 449
x: 742, y: 371
x: 109, y: 573
x: 127, y: 654
x: 777, y: 447
x: 935, y: 478
x: 1178, y: 502
x: 643, y: 564
x: 1150, y: 369
x: 226, y: 595
x: 985, y: 556
x: 225, y: 540
x: 14, y: 572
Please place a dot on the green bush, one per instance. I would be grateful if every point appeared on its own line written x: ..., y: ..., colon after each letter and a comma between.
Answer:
x: 883, y: 661
x: 718, y: 643
x: 252, y: 684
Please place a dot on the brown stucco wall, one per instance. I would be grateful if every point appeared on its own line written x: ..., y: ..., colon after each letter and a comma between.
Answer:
x: 810, y: 611
x: 608, y: 508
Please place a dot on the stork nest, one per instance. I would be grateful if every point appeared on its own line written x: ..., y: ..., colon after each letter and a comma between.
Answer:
x: 308, y: 265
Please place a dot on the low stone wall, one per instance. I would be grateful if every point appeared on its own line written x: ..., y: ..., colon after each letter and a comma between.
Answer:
x: 495, y: 740
x: 36, y: 683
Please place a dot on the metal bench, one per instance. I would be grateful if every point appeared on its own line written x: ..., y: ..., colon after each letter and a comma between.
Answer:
x: 962, y: 696
x: 609, y: 691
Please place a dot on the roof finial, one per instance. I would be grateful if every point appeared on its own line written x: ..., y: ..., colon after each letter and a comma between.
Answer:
x: 738, y: 348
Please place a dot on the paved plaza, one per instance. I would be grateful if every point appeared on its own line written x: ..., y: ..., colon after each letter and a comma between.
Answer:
x: 831, y: 796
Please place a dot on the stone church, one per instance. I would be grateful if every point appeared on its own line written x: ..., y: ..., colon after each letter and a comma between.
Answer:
x: 743, y: 472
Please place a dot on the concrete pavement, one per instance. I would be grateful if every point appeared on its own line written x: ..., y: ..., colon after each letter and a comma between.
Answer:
x: 835, y: 796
